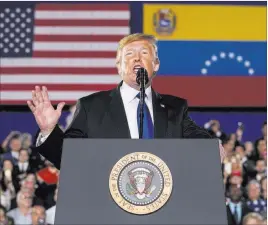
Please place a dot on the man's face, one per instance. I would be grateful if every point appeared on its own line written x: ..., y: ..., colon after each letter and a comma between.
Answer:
x: 260, y: 166
x: 135, y: 55
x: 249, y: 147
x: 38, y: 212
x: 26, y: 199
x: 30, y: 182
x: 31, y: 177
x: 7, y: 165
x: 235, y: 194
x: 262, y: 150
x: 239, y: 150
x: 261, y: 145
x: 254, y: 192
x: 215, y: 127
x: 15, y: 144
x: 24, y: 156
x: 233, y: 137
x: 237, y: 180
x: 27, y: 143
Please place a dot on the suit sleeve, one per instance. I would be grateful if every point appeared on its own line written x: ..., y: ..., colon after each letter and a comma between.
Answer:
x: 190, y: 128
x: 51, y: 149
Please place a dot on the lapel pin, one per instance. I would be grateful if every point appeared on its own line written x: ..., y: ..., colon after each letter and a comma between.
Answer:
x: 163, y: 106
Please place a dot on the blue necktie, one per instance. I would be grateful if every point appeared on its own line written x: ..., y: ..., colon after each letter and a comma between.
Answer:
x: 148, y: 127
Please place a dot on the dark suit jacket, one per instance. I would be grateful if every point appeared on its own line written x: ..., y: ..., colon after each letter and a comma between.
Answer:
x: 29, y: 169
x: 230, y: 217
x: 102, y: 115
x: 20, y: 175
x: 8, y: 156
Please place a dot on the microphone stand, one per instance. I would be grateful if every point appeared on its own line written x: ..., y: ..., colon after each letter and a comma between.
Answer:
x: 142, y: 95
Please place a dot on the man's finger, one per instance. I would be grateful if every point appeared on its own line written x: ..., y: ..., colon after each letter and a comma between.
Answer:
x: 60, y: 107
x: 35, y: 99
x: 39, y: 94
x: 31, y: 106
x: 45, y: 93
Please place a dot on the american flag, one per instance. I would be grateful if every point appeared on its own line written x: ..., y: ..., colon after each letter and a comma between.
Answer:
x: 70, y: 48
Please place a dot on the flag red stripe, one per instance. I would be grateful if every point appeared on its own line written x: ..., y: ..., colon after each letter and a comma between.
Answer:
x: 58, y: 87
x: 24, y: 102
x: 94, y: 23
x: 73, y: 54
x: 82, y: 7
x: 88, y: 38
x: 58, y: 71
x: 211, y: 90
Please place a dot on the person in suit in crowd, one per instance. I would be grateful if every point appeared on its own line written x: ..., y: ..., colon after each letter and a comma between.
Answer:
x: 236, y: 208
x: 23, y: 166
x: 13, y: 154
x: 113, y: 113
x: 255, y: 202
x: 5, y: 145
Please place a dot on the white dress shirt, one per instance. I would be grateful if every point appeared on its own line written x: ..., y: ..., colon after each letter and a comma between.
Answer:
x: 15, y: 154
x: 23, y: 166
x: 238, y: 208
x: 131, y: 103
x: 50, y: 215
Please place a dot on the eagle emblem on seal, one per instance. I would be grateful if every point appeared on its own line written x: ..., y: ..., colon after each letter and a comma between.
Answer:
x: 139, y: 185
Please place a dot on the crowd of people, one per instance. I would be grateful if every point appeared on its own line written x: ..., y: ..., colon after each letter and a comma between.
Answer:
x: 29, y: 183
x: 244, y: 174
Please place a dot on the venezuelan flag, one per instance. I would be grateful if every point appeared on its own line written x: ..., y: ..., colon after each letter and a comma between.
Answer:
x: 213, y: 55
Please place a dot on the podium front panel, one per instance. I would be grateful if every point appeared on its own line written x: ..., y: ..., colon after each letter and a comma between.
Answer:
x: 197, y: 195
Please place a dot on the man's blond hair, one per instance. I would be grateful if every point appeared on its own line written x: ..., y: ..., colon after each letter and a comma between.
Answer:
x: 136, y: 37
x: 252, y: 215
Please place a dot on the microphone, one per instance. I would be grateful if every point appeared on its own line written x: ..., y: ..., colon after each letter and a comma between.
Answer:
x: 142, y: 79
x: 142, y: 75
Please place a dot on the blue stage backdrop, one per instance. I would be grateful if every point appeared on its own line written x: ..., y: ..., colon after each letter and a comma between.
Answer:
x: 24, y: 122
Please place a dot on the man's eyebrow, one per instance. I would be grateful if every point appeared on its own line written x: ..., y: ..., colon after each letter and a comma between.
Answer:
x: 129, y: 49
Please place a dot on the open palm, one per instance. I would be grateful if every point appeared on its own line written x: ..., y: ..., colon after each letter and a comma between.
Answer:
x: 45, y: 114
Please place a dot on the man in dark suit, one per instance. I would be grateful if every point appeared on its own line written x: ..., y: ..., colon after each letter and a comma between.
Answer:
x: 113, y: 114
x: 23, y: 166
x: 13, y: 154
x: 236, y: 208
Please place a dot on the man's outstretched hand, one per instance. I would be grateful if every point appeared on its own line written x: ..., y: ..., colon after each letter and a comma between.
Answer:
x: 45, y: 114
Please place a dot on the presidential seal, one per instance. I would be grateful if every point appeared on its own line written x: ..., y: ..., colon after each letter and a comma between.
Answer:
x: 140, y: 183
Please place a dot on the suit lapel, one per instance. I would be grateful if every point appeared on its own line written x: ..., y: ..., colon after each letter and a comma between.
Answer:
x: 118, y: 115
x: 160, y: 116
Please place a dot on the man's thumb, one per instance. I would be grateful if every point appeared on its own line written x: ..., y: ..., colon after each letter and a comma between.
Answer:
x: 60, y: 106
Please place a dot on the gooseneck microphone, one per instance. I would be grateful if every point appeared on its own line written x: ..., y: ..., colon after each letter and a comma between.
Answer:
x: 142, y: 79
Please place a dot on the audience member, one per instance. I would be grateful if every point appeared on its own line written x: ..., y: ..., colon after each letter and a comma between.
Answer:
x: 22, y: 214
